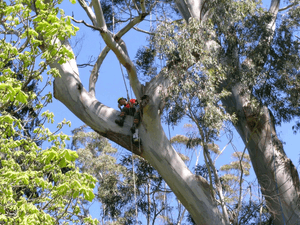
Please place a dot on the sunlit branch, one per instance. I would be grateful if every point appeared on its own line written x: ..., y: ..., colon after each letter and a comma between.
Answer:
x: 95, y: 71
x: 88, y: 25
x: 99, y: 14
x: 88, y: 11
x: 287, y: 7
x: 131, y: 24
x: 273, y: 10
x: 101, y: 57
x: 143, y: 31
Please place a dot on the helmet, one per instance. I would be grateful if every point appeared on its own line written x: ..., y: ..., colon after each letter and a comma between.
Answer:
x: 121, y: 99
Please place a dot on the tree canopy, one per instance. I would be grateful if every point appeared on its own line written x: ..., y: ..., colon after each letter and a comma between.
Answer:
x: 214, y: 62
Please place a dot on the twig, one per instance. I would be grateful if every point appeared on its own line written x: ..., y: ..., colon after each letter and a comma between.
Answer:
x: 287, y: 7
x: 143, y: 31
x: 88, y: 25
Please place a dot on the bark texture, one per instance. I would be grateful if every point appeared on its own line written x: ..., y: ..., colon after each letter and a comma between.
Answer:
x: 193, y: 191
x: 270, y: 163
x: 275, y: 172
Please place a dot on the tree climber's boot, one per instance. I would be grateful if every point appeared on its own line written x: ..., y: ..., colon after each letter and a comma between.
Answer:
x: 121, y: 119
x: 135, y: 137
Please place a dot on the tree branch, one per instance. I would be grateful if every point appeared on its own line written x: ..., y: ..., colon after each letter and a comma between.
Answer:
x: 89, y: 12
x: 273, y: 10
x: 95, y: 71
x: 193, y: 8
x: 103, y: 54
x: 143, y: 31
x: 239, y: 206
x: 99, y: 14
x: 117, y: 45
x: 100, y: 25
x: 88, y: 25
x: 287, y: 7
x: 143, y: 7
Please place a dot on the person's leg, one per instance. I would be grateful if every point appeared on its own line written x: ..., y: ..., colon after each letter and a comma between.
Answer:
x: 134, y: 129
x: 121, y: 119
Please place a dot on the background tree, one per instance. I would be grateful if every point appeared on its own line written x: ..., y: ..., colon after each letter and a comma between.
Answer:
x: 229, y: 49
x: 242, y: 205
x: 128, y: 187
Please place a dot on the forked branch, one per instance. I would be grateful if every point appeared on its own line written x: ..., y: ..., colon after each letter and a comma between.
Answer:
x: 103, y: 54
x: 119, y: 48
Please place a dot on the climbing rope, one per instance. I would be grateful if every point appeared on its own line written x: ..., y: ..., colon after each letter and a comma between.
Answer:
x: 132, y: 159
x: 132, y: 154
x: 124, y: 82
x: 134, y: 184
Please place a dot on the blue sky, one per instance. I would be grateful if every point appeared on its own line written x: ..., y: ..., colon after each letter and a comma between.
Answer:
x: 110, y: 87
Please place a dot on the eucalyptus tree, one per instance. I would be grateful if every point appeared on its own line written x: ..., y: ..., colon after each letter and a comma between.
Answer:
x: 128, y: 186
x: 235, y: 52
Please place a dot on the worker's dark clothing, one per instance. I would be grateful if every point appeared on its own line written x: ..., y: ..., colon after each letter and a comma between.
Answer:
x: 131, y: 110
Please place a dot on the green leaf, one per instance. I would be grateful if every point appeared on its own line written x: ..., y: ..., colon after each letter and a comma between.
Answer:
x: 39, y: 4
x: 70, y: 155
x: 88, y: 195
x: 22, y: 97
x: 76, y: 194
x: 3, y: 217
x: 49, y: 155
x: 63, y: 189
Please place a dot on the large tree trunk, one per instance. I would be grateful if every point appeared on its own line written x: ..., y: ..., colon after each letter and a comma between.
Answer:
x: 193, y: 191
x: 270, y: 163
x: 275, y: 172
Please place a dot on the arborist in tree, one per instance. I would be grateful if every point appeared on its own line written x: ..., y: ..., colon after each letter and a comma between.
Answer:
x: 130, y: 108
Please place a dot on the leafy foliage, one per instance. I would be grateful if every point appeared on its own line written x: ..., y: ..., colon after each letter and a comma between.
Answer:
x: 194, y: 54
x: 35, y: 186
x: 145, y: 61
x: 97, y: 157
x: 120, y: 190
x: 194, y: 90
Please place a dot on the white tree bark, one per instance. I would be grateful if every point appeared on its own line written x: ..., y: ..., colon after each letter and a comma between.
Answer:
x: 275, y: 172
x: 193, y: 191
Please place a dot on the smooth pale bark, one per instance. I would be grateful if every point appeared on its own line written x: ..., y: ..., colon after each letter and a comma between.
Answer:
x: 275, y: 172
x: 193, y: 191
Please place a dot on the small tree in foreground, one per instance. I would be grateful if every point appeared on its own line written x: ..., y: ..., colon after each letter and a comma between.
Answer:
x: 39, y: 183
